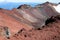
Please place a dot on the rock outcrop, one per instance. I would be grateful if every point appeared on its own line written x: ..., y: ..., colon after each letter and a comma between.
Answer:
x: 38, y: 15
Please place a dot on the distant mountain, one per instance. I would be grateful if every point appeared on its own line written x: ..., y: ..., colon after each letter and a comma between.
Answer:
x: 10, y: 5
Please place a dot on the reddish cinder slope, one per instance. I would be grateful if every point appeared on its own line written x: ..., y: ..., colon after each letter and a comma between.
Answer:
x: 22, y: 23
x: 7, y: 19
x: 49, y: 32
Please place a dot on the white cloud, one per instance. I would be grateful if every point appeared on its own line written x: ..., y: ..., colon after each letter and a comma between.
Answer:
x: 55, y: 1
x: 2, y: 0
x: 22, y: 0
x: 36, y: 1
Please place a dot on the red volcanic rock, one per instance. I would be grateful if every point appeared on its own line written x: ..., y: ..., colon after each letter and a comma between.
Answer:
x: 30, y: 23
x: 24, y: 6
x: 46, y: 3
x: 8, y: 19
x: 49, y: 32
x: 38, y: 15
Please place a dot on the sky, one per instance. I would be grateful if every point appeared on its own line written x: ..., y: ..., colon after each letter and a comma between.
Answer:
x: 34, y: 1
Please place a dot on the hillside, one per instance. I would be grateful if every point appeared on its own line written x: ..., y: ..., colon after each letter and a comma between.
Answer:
x: 41, y: 22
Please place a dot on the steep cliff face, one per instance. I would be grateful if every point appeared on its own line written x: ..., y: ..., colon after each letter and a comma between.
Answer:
x: 27, y: 23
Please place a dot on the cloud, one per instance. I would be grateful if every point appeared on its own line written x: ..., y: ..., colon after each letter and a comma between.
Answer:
x: 23, y: 0
x: 2, y: 0
x: 55, y: 1
x: 36, y: 1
